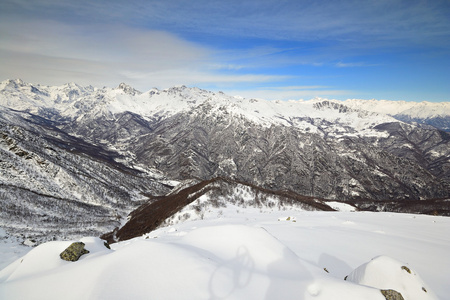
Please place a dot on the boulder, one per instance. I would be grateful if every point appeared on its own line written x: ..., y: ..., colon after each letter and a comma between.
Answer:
x: 73, y: 252
x: 392, y: 295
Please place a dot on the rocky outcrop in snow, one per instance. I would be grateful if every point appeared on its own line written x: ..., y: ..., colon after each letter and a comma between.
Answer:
x: 74, y: 252
x: 392, y: 295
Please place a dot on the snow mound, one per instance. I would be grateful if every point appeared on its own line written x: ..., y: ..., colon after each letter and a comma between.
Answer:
x: 340, y: 206
x: 215, y: 262
x: 45, y: 258
x: 385, y: 273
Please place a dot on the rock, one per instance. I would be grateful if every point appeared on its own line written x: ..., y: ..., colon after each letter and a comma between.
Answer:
x: 406, y: 269
x: 392, y: 295
x: 106, y: 245
x: 73, y: 252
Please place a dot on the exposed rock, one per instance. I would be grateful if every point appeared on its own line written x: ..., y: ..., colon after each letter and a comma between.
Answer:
x: 406, y: 269
x: 392, y: 295
x: 74, y: 252
x: 107, y: 245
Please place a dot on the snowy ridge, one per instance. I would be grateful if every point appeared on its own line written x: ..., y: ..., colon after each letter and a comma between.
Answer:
x: 73, y: 101
x: 423, y: 109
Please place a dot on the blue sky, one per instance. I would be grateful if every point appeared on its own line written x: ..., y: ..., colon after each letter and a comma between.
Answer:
x: 394, y: 50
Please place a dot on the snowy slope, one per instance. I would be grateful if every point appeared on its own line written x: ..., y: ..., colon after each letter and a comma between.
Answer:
x: 249, y: 255
x: 54, y: 186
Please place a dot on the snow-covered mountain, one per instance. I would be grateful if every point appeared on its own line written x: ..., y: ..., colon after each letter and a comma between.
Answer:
x: 108, y: 149
x: 219, y: 193
x: 422, y: 113
x: 53, y: 185
x: 319, y: 147
x: 72, y: 100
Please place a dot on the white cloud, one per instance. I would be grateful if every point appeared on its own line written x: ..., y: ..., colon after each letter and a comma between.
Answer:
x: 51, y: 52
x: 173, y: 77
x: 54, y: 53
x: 298, y: 87
x: 234, y: 67
x: 354, y: 64
x: 289, y: 94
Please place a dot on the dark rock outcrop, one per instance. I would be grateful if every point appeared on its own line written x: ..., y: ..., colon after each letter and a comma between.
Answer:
x: 392, y: 295
x: 74, y: 252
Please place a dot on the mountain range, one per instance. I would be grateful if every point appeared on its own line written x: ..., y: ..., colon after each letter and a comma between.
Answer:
x: 91, y: 155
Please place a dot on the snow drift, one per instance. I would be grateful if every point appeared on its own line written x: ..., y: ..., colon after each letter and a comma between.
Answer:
x: 230, y: 261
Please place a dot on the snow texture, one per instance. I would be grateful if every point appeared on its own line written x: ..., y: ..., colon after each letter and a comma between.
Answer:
x: 384, y: 272
x: 249, y: 255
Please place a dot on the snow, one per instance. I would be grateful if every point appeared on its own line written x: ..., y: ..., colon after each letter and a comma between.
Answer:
x: 395, y: 275
x: 339, y: 206
x: 80, y: 102
x: 249, y: 255
x: 10, y: 249
x: 74, y: 100
x: 413, y: 109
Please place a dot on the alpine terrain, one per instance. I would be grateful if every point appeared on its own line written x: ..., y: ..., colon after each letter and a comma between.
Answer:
x: 203, y: 195
x: 89, y: 156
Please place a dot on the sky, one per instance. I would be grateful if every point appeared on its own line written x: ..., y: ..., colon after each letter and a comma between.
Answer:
x: 383, y: 49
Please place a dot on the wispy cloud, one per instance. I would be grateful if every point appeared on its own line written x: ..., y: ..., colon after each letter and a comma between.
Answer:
x: 55, y: 53
x: 34, y: 50
x: 288, y: 94
x: 167, y: 78
x: 218, y: 66
x: 354, y: 64
x: 297, y: 87
x: 241, y: 45
x: 292, y: 92
x: 375, y: 23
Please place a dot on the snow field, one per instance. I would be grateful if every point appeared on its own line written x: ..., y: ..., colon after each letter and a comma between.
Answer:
x: 262, y: 256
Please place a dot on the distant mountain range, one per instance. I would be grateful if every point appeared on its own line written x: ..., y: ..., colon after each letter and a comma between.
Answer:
x: 91, y: 155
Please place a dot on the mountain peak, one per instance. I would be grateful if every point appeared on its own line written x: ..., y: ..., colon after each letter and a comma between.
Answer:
x: 13, y: 83
x: 128, y: 89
